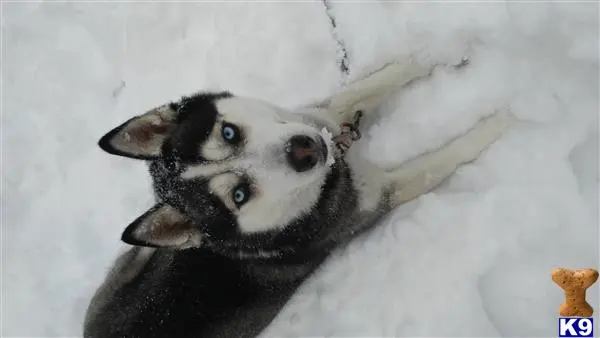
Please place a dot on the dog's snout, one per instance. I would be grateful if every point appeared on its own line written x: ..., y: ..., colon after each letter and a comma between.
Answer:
x: 302, y: 152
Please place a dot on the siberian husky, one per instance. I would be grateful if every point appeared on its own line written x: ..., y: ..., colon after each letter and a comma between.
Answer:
x: 250, y: 199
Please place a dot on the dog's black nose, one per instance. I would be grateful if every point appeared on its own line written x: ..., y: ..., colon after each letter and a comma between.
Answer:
x: 303, y: 153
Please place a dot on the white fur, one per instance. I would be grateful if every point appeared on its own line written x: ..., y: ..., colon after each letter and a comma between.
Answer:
x: 366, y: 94
x: 368, y: 179
x: 419, y: 176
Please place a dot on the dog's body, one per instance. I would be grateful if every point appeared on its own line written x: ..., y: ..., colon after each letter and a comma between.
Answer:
x: 251, y: 199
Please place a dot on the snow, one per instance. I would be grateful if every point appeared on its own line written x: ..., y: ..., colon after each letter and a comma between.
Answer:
x: 472, y: 258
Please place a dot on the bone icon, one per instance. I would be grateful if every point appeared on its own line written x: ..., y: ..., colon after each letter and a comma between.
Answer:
x: 574, y: 283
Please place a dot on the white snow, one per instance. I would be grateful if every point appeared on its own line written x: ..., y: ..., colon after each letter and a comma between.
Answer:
x: 472, y: 258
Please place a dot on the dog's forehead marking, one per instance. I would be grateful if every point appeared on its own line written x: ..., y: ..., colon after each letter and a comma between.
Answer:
x: 222, y: 185
x: 250, y: 115
x: 215, y: 148
x: 208, y: 169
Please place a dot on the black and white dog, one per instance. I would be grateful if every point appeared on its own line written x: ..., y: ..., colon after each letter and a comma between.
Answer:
x: 250, y: 200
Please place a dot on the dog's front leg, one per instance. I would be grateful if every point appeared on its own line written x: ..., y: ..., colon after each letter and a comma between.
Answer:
x: 422, y: 174
x: 370, y: 91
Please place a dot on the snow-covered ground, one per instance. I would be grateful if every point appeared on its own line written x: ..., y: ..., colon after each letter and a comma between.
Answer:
x: 472, y: 258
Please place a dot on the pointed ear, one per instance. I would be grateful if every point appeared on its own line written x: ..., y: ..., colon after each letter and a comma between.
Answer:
x: 142, y: 136
x: 162, y: 226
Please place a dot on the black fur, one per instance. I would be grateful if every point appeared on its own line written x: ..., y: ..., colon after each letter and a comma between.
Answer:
x: 196, y: 116
x: 200, y: 294
x: 234, y: 285
x: 212, y: 292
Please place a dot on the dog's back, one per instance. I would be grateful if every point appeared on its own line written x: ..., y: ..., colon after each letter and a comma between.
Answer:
x: 195, y: 293
x: 214, y: 291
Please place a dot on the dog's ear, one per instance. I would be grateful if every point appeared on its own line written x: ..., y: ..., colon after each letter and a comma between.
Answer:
x: 162, y: 226
x: 142, y: 136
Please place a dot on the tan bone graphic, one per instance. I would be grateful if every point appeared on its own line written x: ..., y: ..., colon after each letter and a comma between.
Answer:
x: 574, y: 283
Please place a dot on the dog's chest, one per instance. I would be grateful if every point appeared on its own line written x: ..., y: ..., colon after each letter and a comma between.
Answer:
x: 368, y: 180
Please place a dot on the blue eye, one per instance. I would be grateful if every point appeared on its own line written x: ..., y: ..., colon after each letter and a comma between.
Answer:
x: 241, y: 194
x: 230, y: 133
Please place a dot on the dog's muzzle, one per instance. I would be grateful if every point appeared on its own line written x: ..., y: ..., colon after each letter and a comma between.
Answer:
x: 303, y: 152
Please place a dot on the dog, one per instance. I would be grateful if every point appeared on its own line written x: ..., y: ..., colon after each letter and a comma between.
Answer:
x: 251, y: 198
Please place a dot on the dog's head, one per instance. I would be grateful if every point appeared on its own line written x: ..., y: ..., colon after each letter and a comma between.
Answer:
x: 228, y: 172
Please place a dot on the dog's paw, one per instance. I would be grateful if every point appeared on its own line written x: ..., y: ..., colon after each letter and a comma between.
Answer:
x: 346, y: 115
